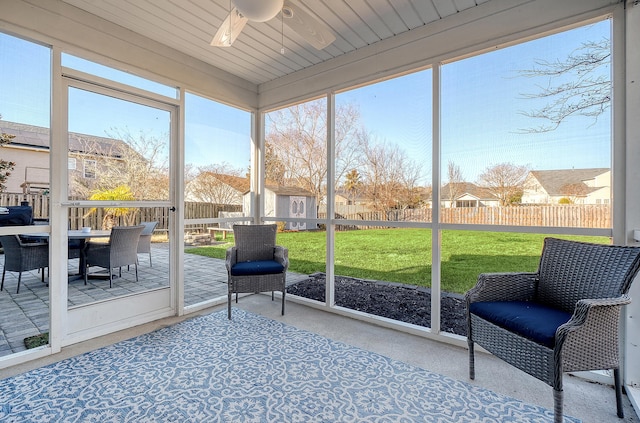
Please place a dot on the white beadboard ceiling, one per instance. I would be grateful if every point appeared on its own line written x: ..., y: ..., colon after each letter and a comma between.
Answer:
x: 189, y: 25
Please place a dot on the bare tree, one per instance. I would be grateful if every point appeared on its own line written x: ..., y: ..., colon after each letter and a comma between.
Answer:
x: 140, y: 162
x: 574, y: 191
x: 580, y: 85
x: 274, y: 168
x: 217, y: 184
x: 505, y: 181
x: 297, y: 145
x: 455, y: 181
x: 390, y: 177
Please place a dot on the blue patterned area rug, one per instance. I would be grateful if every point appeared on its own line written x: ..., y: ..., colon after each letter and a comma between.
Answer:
x: 249, y: 369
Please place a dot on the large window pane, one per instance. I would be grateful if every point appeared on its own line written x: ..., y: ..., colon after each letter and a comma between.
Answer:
x: 383, y: 150
x: 217, y: 183
x: 24, y: 186
x: 123, y: 148
x: 153, y: 253
x: 526, y: 133
x: 296, y: 163
x: 466, y: 254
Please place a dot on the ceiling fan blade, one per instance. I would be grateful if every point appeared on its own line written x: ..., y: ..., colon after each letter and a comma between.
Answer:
x: 313, y: 31
x: 229, y: 29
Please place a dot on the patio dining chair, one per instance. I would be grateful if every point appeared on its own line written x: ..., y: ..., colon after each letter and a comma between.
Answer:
x: 256, y: 264
x: 20, y: 256
x: 563, y: 318
x: 121, y: 250
x: 144, y: 244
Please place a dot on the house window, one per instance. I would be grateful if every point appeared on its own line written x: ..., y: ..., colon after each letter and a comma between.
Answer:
x: 466, y: 203
x: 89, y: 169
x: 71, y: 163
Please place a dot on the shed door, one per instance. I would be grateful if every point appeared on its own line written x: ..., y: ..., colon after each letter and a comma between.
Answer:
x: 298, y: 209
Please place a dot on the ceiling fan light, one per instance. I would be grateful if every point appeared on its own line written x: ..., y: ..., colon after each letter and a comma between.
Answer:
x: 259, y: 10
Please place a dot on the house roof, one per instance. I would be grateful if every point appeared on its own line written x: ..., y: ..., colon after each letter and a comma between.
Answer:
x: 38, y: 137
x: 243, y: 185
x: 239, y: 183
x: 465, y: 188
x: 288, y: 190
x: 554, y: 182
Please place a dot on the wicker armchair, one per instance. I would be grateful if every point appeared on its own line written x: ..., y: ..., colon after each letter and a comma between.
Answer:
x: 121, y: 250
x: 256, y: 263
x: 21, y: 256
x: 563, y: 318
x: 144, y: 244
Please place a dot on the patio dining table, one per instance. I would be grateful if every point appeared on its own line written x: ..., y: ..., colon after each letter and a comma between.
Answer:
x: 83, y: 237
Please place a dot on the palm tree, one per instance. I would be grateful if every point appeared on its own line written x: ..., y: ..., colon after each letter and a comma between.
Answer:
x: 119, y: 193
x: 352, y: 184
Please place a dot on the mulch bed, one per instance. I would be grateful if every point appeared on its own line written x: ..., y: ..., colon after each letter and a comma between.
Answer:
x: 407, y: 304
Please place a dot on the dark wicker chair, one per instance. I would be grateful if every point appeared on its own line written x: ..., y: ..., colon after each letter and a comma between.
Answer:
x: 563, y: 318
x: 21, y: 256
x: 121, y: 250
x: 144, y: 244
x: 256, y: 263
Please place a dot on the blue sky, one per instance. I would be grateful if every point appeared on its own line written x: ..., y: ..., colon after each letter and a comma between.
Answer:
x: 481, y: 119
x: 481, y: 105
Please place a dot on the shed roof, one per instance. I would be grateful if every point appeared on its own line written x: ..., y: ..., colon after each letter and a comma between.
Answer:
x: 289, y: 190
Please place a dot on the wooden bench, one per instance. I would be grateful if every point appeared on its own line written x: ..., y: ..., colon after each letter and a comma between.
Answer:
x: 224, y: 231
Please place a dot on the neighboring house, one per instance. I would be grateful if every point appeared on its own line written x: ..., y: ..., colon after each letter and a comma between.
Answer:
x: 287, y: 201
x: 348, y: 203
x: 580, y: 186
x: 466, y: 194
x: 30, y: 151
x: 218, y: 188
x: 345, y: 198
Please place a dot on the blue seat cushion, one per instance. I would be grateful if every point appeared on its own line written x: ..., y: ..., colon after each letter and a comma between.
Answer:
x: 258, y: 267
x: 531, y: 320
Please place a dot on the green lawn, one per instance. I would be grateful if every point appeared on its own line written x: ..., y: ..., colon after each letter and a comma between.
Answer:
x: 404, y: 255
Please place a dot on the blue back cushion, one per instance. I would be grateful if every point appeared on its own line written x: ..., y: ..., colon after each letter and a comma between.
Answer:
x: 260, y: 267
x: 533, y: 321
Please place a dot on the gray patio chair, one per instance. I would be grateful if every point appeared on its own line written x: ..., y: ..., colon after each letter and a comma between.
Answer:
x: 144, y: 244
x: 563, y: 318
x: 121, y: 250
x: 20, y: 256
x: 256, y: 264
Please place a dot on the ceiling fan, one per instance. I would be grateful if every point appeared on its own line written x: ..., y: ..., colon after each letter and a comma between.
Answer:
x: 313, y: 31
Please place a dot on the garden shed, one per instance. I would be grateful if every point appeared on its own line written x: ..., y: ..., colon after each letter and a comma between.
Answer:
x: 292, y: 202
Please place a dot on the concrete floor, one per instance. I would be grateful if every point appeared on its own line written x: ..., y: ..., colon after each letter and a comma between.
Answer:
x: 591, y: 402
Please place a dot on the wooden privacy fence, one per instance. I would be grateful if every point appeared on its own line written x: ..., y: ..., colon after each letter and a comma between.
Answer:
x: 77, y: 219
x: 571, y: 216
